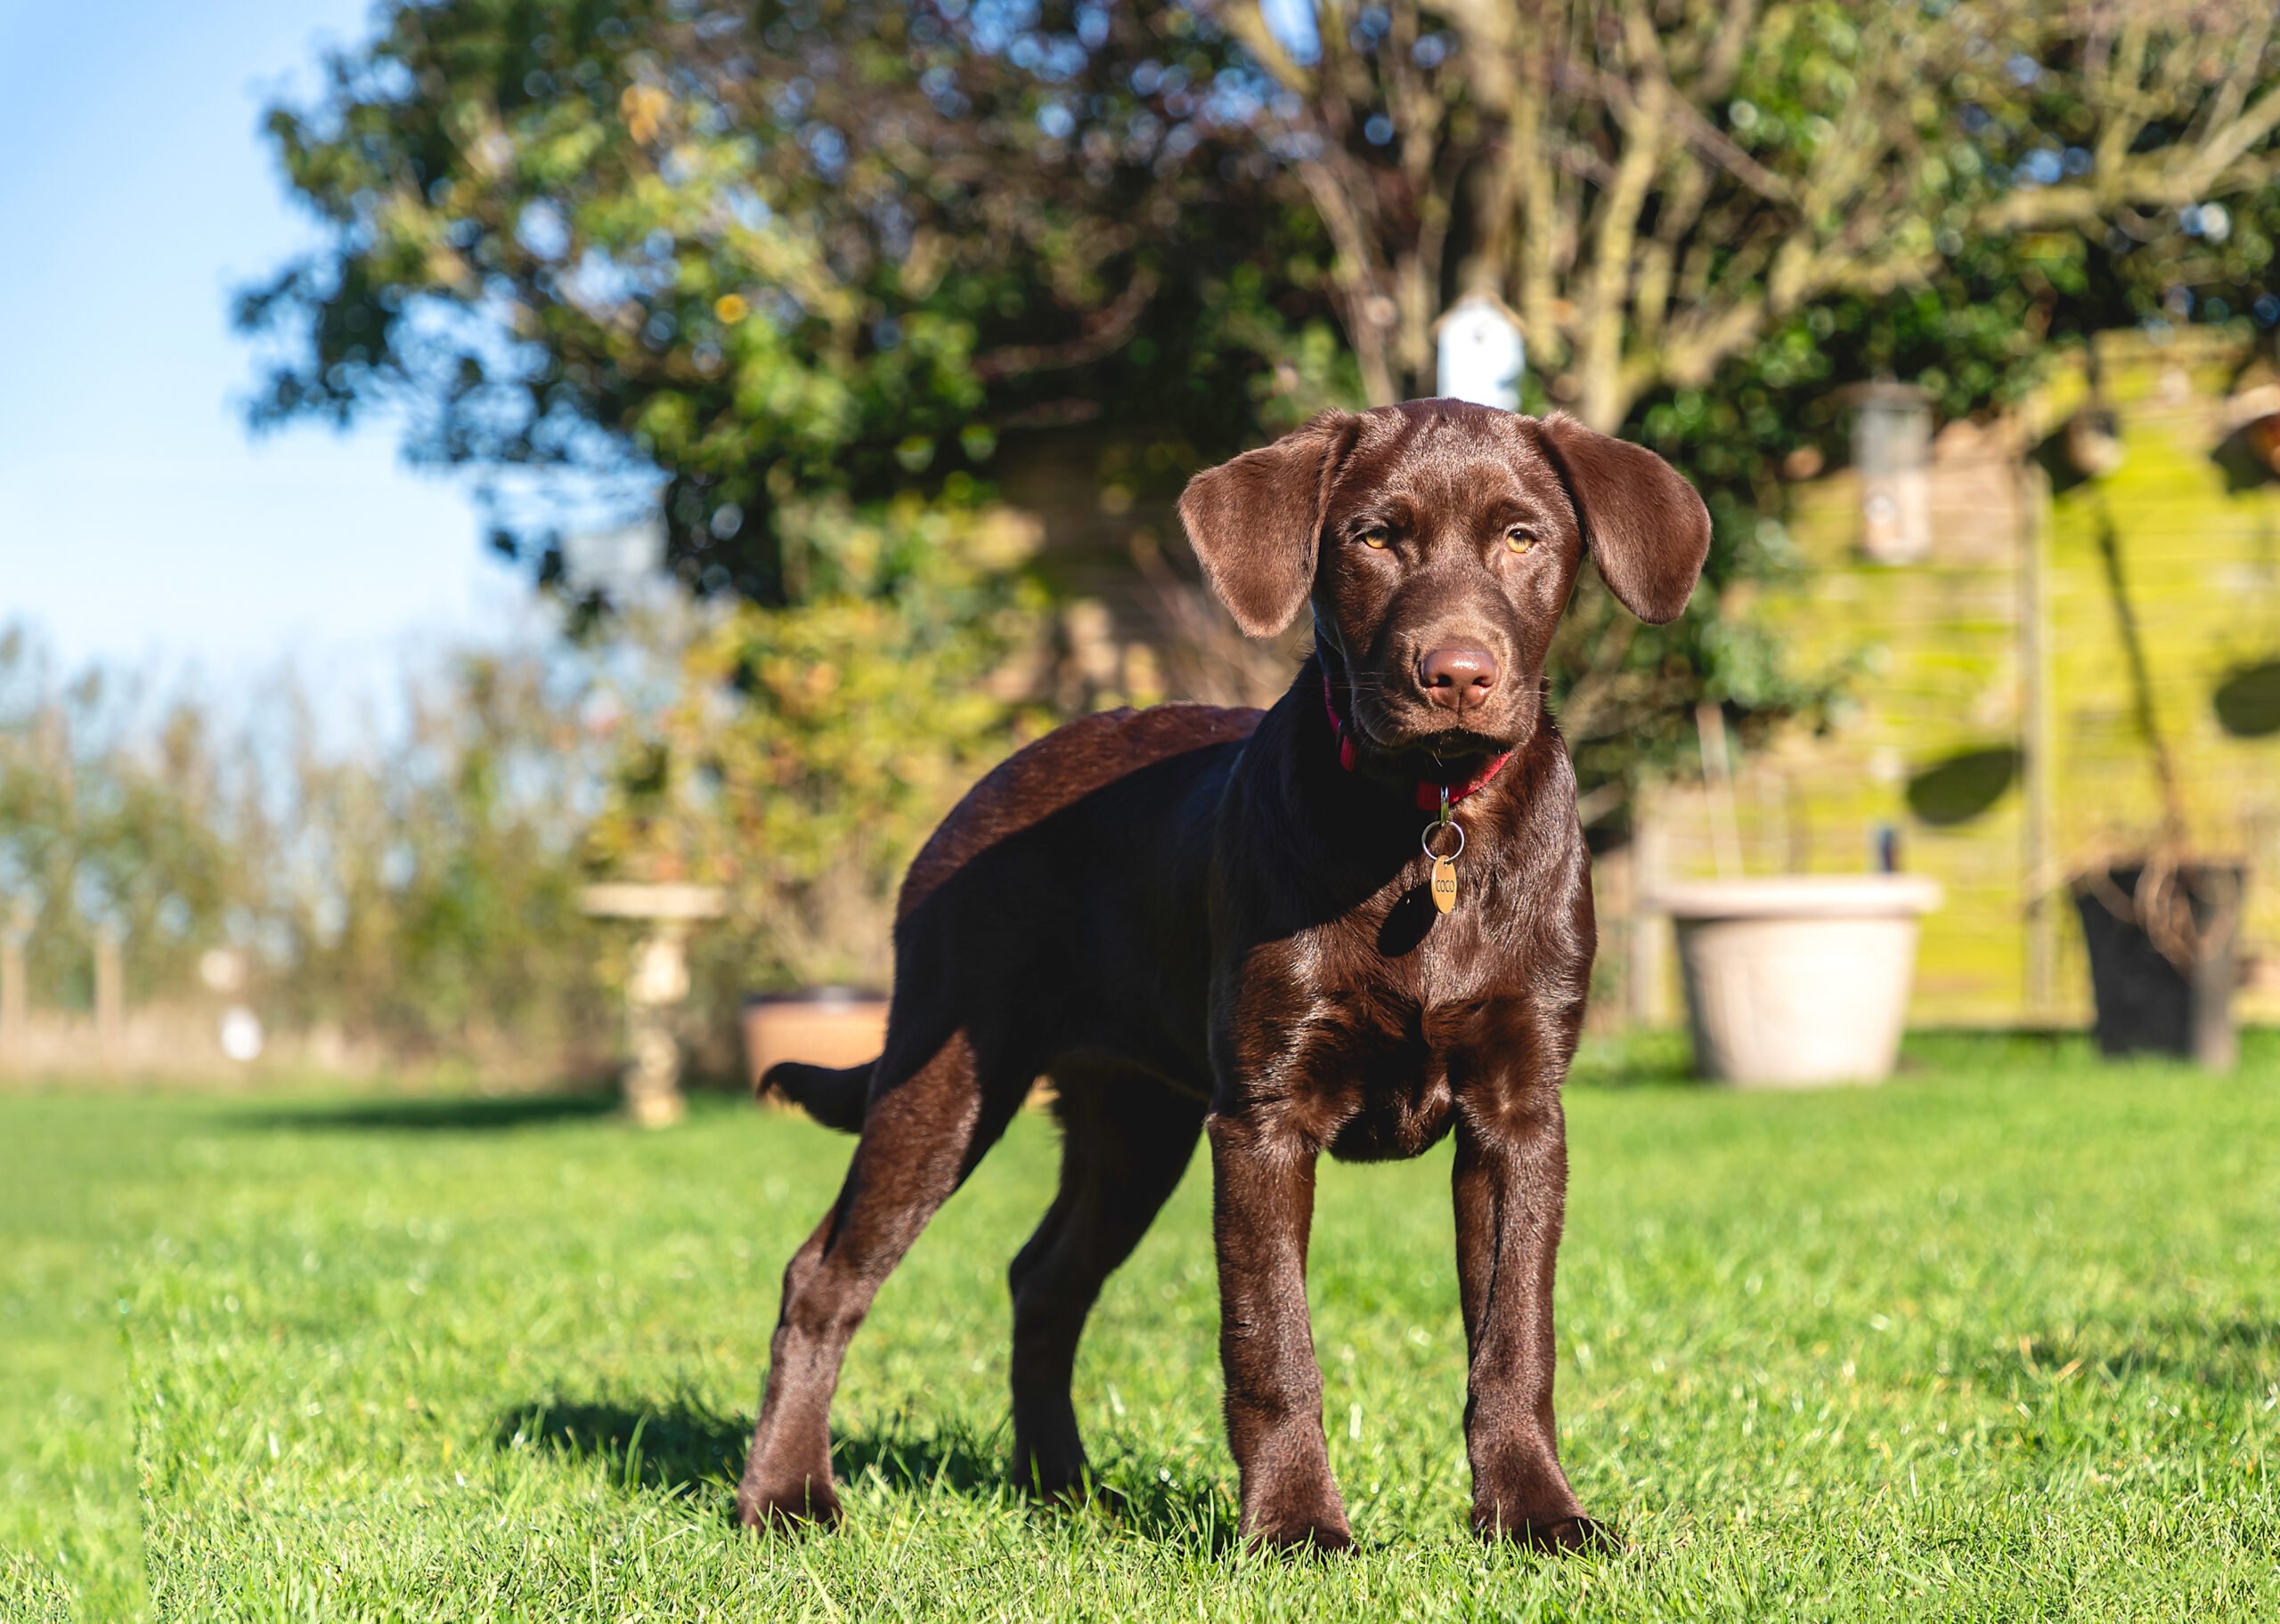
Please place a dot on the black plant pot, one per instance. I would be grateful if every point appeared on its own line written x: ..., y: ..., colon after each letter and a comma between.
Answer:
x: 2145, y: 1004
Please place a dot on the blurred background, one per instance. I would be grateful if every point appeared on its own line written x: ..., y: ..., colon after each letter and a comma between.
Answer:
x: 454, y: 457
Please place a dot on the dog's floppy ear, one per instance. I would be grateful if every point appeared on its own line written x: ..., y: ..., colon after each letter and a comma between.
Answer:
x: 1642, y: 521
x: 1256, y: 521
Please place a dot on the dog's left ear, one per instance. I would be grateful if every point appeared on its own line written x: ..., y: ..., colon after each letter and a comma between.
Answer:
x: 1256, y: 523
x: 1642, y: 522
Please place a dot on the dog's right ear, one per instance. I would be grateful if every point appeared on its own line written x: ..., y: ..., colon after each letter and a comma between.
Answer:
x: 1256, y: 523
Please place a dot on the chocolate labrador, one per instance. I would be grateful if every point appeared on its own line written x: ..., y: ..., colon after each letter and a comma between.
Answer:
x: 1353, y: 922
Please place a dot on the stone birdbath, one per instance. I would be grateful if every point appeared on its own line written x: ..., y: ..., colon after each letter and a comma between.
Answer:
x: 655, y: 984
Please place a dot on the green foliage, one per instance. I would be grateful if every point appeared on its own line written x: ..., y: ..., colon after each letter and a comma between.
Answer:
x: 1709, y: 226
x: 1994, y: 1341
x: 425, y: 899
x: 1979, y: 335
x: 740, y: 260
x: 105, y: 824
x: 774, y: 253
x: 419, y: 897
x: 804, y: 276
x: 856, y: 718
x: 1976, y: 345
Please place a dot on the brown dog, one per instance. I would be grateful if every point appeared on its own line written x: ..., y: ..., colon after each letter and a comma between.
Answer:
x: 1193, y: 919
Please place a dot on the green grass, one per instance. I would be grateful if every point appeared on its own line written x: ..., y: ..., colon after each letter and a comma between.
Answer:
x: 2000, y: 1341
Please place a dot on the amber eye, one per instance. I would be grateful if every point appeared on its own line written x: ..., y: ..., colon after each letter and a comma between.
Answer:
x: 1377, y: 535
x: 1517, y: 540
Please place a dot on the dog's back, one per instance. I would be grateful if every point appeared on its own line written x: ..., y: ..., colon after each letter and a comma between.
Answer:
x: 1101, y: 777
x: 1073, y: 870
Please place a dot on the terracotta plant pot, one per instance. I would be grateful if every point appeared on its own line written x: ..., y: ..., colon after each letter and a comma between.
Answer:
x: 2145, y: 1004
x: 831, y: 1026
x: 1800, y: 980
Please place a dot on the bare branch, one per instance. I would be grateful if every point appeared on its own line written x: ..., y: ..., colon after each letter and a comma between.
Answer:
x: 1104, y: 335
x: 1358, y: 275
x: 1608, y: 295
x: 1247, y: 24
x: 1645, y: 241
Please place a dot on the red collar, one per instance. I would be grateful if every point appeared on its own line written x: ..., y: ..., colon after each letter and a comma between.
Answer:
x: 1429, y: 790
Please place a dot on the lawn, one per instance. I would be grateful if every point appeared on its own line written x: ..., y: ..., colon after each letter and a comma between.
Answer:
x: 2000, y: 1341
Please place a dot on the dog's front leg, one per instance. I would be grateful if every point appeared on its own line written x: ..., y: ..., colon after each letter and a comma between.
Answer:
x: 1263, y: 1204
x: 1512, y: 1193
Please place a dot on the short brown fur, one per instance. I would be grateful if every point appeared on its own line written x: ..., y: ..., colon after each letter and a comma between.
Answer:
x: 1197, y: 922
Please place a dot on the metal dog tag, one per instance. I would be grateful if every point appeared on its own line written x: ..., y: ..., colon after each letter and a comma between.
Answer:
x: 1445, y: 883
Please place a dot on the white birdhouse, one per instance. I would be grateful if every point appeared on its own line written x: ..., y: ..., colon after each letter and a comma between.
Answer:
x: 1892, y: 448
x: 1481, y: 353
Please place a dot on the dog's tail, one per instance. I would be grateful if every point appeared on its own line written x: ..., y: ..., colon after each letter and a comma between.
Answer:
x: 833, y: 1095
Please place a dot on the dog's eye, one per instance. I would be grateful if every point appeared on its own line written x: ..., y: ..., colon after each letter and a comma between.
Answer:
x: 1377, y: 535
x: 1519, y: 539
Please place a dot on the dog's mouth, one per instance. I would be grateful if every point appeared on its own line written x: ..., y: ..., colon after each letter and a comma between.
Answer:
x: 1430, y: 755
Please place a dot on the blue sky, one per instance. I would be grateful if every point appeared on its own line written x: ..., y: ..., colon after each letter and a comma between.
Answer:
x: 140, y: 521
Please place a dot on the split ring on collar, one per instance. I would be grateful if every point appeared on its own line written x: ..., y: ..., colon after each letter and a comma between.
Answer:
x: 1425, y: 840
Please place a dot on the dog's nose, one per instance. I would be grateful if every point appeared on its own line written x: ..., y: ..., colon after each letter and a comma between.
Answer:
x: 1460, y: 675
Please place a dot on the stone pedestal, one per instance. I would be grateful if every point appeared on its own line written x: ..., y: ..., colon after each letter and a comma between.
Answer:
x: 655, y: 984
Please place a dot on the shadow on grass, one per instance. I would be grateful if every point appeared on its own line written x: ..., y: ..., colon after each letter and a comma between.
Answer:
x: 683, y: 1449
x: 669, y: 1448
x: 463, y: 1115
x: 2238, y: 1357
x: 1636, y: 1059
x: 1663, y: 1059
x: 1977, y: 1049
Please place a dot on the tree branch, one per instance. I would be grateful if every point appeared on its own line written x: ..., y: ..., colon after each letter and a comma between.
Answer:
x: 1104, y: 335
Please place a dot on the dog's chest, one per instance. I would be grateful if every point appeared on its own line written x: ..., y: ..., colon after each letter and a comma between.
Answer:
x: 1365, y: 1057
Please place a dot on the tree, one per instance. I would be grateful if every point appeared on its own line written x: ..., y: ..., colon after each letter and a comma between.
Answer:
x: 755, y: 254
x: 797, y: 757
x: 780, y: 249
x: 1656, y: 185
x: 1709, y: 214
x: 794, y: 272
x: 418, y: 894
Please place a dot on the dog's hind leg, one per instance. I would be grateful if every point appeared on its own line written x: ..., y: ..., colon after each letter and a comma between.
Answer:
x: 921, y: 1136
x: 1127, y: 1139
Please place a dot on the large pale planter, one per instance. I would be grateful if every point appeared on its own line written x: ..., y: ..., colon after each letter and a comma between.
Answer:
x: 1800, y: 980
x: 832, y: 1026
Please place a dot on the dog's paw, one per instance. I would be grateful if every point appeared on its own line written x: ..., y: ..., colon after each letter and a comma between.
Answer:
x: 787, y: 1507
x: 1088, y: 1493
x: 1325, y: 1536
x: 1052, y: 1476
x: 1068, y: 1489
x: 1554, y: 1534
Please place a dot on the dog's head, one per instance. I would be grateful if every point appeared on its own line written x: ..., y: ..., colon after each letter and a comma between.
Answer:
x: 1437, y: 542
